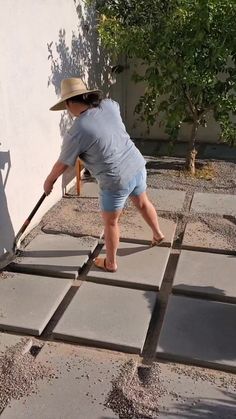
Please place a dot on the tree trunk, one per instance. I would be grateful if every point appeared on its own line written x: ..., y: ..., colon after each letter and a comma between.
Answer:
x: 192, y: 152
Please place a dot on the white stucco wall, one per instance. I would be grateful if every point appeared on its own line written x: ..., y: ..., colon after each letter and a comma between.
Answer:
x: 30, y: 135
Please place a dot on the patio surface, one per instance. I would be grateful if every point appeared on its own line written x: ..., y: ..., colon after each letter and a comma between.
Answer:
x: 56, y: 293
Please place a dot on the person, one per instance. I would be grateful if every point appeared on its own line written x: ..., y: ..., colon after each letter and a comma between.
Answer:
x: 99, y: 138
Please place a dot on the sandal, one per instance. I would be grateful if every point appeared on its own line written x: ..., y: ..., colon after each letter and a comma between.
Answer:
x: 156, y: 242
x: 101, y: 264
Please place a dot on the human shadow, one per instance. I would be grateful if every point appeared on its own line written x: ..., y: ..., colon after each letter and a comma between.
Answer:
x: 7, y: 234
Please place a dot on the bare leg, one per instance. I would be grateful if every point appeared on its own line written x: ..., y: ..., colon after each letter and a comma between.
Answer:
x: 149, y: 214
x: 112, y: 236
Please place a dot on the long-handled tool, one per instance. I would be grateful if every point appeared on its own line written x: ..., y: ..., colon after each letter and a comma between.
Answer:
x: 8, y: 257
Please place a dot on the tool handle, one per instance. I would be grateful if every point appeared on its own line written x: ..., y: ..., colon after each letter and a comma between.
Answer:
x: 27, y: 221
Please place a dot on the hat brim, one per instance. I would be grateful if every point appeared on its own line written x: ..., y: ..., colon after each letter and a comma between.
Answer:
x: 61, y: 105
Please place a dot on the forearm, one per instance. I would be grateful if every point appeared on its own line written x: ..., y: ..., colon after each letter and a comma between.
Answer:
x: 56, y: 171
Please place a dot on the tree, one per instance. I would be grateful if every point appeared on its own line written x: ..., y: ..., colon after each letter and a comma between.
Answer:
x: 188, y: 49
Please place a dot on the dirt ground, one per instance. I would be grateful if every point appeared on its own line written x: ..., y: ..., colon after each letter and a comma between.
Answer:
x: 213, y: 176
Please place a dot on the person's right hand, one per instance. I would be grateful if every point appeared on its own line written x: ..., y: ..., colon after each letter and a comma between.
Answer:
x: 48, y: 186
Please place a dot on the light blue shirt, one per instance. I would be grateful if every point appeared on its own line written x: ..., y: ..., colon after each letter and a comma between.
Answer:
x: 99, y: 138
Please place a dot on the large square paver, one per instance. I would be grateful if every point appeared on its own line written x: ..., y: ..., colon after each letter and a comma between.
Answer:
x: 112, y: 317
x: 54, y: 254
x: 78, y: 388
x: 139, y: 266
x: 214, y: 203
x: 166, y: 199
x: 206, y: 274
x: 216, y: 233
x: 199, y: 331
x: 28, y: 302
x: 133, y: 228
x: 82, y: 386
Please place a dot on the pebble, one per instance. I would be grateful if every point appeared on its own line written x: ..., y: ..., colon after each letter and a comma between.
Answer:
x: 19, y: 373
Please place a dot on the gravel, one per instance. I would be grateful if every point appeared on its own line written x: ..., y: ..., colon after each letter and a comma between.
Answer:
x: 19, y: 373
x: 169, y: 173
x: 72, y: 212
x: 136, y: 395
x: 142, y: 391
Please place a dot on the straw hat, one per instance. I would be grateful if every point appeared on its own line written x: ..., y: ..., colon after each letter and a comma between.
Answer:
x: 70, y: 88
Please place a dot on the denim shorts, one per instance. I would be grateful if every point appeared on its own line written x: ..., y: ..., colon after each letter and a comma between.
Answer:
x: 115, y: 200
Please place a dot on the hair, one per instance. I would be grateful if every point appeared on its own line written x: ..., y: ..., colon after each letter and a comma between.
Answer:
x: 93, y: 99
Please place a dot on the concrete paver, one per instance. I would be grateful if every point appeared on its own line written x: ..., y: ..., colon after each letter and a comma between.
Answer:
x: 199, y: 331
x: 166, y: 199
x: 83, y: 382
x: 139, y: 266
x: 193, y: 392
x: 107, y: 316
x: 59, y: 255
x: 211, y: 203
x: 208, y: 274
x: 216, y: 235
x: 28, y: 302
x: 133, y: 228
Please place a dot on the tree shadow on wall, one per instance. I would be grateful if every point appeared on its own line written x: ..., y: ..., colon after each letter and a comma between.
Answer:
x: 83, y: 58
x: 7, y: 234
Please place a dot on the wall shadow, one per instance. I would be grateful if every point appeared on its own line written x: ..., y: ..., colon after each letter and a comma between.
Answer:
x: 83, y: 57
x: 7, y: 233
